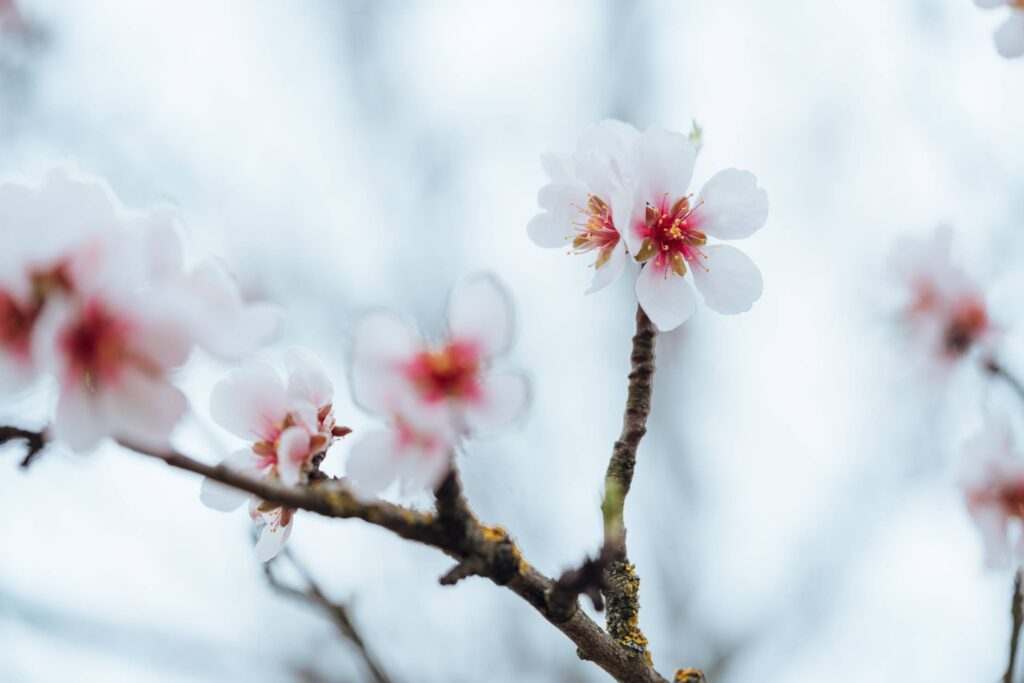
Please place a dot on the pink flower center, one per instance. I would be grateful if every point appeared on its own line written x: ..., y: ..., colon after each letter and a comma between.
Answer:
x: 671, y: 235
x: 1009, y: 496
x: 96, y: 346
x: 451, y: 372
x: 967, y: 324
x: 597, y: 232
x: 16, y: 323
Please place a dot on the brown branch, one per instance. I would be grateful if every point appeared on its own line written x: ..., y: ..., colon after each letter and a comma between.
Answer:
x: 587, y: 579
x: 35, y: 442
x: 997, y: 369
x: 621, y: 583
x: 337, y: 611
x: 456, y: 531
x: 1017, y: 612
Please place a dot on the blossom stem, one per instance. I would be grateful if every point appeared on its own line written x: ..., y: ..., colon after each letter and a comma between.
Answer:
x: 621, y: 583
x: 35, y: 442
x: 338, y: 612
x: 1017, y: 612
x: 997, y: 369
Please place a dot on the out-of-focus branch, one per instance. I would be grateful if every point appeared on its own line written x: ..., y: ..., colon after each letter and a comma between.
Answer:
x: 621, y: 583
x: 487, y: 551
x: 338, y: 612
x: 997, y: 369
x: 1017, y: 612
x: 35, y: 442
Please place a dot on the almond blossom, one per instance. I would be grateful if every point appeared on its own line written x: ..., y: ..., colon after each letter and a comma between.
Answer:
x: 107, y: 306
x: 668, y: 231
x: 289, y: 425
x: 1009, y: 37
x: 941, y: 307
x: 993, y: 483
x: 585, y: 199
x: 432, y: 392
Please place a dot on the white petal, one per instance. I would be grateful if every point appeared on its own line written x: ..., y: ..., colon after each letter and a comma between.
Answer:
x: 611, y: 137
x: 425, y: 467
x: 374, y: 462
x: 224, y: 323
x: 480, y: 311
x: 731, y: 205
x: 663, y: 164
x: 78, y: 424
x: 610, y: 270
x: 292, y: 452
x: 727, y: 279
x: 250, y: 402
x: 504, y: 397
x: 272, y: 539
x: 145, y: 408
x: 549, y: 230
x: 1010, y: 36
x: 307, y: 378
x: 666, y: 298
x: 217, y: 496
x: 382, y: 344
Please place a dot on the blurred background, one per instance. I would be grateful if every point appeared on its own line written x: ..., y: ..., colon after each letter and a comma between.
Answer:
x: 794, y: 516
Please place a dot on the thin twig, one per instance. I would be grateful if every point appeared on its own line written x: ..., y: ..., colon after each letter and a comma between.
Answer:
x: 337, y: 611
x: 35, y: 442
x: 1017, y: 612
x: 997, y: 369
x: 621, y: 583
x: 499, y: 555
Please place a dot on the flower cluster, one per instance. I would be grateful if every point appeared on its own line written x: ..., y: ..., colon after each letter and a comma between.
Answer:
x: 432, y: 393
x: 289, y: 426
x: 622, y: 192
x: 101, y: 299
x: 1010, y: 36
x: 942, y: 308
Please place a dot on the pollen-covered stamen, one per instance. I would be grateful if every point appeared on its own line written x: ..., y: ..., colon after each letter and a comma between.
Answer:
x: 452, y: 371
x: 96, y: 346
x: 597, y: 232
x: 672, y: 235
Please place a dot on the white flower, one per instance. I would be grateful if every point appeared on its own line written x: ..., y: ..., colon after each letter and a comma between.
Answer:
x: 433, y: 393
x: 585, y: 199
x: 1009, y: 37
x: 668, y: 231
x: 105, y: 303
x: 941, y: 307
x: 993, y: 483
x: 288, y: 427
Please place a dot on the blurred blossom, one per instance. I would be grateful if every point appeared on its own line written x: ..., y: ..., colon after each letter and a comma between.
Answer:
x: 433, y: 392
x: 942, y: 308
x: 289, y: 426
x: 993, y: 483
x: 1010, y: 36
x: 106, y: 305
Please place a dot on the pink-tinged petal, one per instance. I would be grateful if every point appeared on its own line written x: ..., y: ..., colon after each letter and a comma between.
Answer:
x: 609, y: 271
x: 666, y: 298
x: 79, y: 424
x: 503, y: 400
x: 480, y: 312
x: 224, y: 324
x: 292, y: 452
x: 382, y: 345
x: 154, y: 247
x: 727, y: 279
x: 374, y: 463
x: 307, y: 378
x: 217, y: 496
x: 144, y: 408
x: 1010, y: 36
x: 250, y: 402
x: 663, y: 164
x: 731, y: 205
x: 161, y: 332
x: 273, y: 536
x: 628, y: 209
x: 426, y: 466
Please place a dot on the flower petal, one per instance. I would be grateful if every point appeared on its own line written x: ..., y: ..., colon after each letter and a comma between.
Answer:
x: 217, y: 496
x: 79, y: 424
x: 728, y: 280
x: 224, y: 324
x: 250, y: 402
x: 663, y: 164
x: 480, y: 311
x: 273, y: 536
x: 382, y: 344
x: 374, y: 461
x: 666, y: 298
x: 292, y: 452
x: 307, y: 378
x: 731, y: 205
x: 609, y: 271
x: 144, y: 409
x: 1010, y: 36
x: 504, y: 397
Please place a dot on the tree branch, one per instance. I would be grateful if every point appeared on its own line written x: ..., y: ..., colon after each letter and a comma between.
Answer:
x: 621, y: 583
x: 1017, y: 612
x: 453, y: 529
x: 997, y: 369
x: 35, y: 442
x: 337, y: 611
